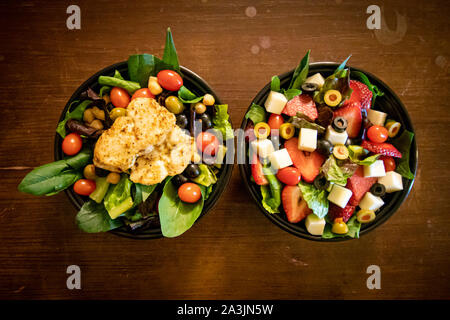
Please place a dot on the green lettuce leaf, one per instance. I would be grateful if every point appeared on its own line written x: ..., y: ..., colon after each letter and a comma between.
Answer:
x: 316, y: 199
x: 206, y: 177
x: 356, y: 153
x: 271, y: 193
x: 300, y: 73
x: 275, y: 84
x: 256, y: 113
x: 291, y: 93
x: 354, y: 226
x: 333, y: 172
x: 221, y: 122
x: 403, y: 144
x: 118, y: 199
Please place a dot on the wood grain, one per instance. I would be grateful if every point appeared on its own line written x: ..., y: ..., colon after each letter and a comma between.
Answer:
x: 233, y: 252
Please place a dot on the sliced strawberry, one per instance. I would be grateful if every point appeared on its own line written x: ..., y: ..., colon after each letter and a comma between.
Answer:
x: 249, y: 133
x: 257, y: 172
x: 308, y: 163
x: 302, y: 103
x: 384, y: 148
x: 361, y: 94
x: 359, y: 185
x: 352, y: 113
x: 337, y: 212
x: 294, y: 205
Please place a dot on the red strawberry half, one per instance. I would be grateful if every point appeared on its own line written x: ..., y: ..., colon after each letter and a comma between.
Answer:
x: 352, y: 113
x: 337, y: 212
x: 359, y: 185
x: 302, y: 103
x: 361, y: 94
x: 384, y: 148
x: 308, y: 163
x: 257, y: 171
x: 294, y: 205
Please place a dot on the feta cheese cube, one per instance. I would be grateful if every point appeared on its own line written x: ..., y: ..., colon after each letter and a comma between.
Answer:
x: 275, y: 102
x: 264, y: 148
x: 377, y: 118
x: 317, y: 79
x: 335, y: 137
x: 392, y: 181
x: 376, y: 169
x: 314, y: 224
x: 307, y: 139
x: 340, y: 195
x: 371, y: 202
x: 280, y: 159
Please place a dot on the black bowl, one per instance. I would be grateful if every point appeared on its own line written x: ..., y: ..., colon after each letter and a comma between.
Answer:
x: 198, y: 86
x: 389, y: 103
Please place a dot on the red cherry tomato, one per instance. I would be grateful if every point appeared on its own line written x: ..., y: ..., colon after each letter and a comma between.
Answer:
x: 189, y: 192
x: 142, y: 93
x: 275, y: 121
x: 72, y: 144
x: 289, y: 175
x: 119, y: 97
x: 170, y: 80
x: 207, y: 143
x: 389, y: 163
x: 377, y: 134
x: 84, y: 187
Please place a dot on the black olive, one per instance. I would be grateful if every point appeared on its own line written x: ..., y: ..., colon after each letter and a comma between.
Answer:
x: 179, y: 179
x: 353, y: 141
x: 339, y: 124
x: 192, y: 171
x: 101, y: 172
x: 182, y: 120
x: 378, y: 190
x: 206, y: 121
x: 309, y: 87
x: 324, y: 147
x: 321, y: 183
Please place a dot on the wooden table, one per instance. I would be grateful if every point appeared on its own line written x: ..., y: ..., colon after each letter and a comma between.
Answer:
x: 234, y: 252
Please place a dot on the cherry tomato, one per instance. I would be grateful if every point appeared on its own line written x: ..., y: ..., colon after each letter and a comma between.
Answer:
x: 207, y: 143
x: 72, y: 144
x: 189, y: 192
x: 275, y: 121
x: 377, y: 134
x: 119, y: 97
x: 142, y: 93
x: 389, y: 163
x: 84, y: 187
x: 289, y: 175
x: 170, y: 80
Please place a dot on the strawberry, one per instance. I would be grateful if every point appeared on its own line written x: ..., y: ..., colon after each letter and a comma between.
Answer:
x: 337, y: 212
x: 359, y: 185
x: 294, y: 205
x: 302, y: 103
x: 361, y: 94
x: 257, y: 172
x: 352, y: 113
x: 384, y: 148
x: 308, y: 163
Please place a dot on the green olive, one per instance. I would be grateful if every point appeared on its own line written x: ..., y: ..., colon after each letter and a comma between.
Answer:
x: 174, y: 105
x: 117, y: 112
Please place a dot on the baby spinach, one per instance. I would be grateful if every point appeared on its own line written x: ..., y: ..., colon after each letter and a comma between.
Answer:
x: 142, y: 192
x: 256, y: 113
x: 275, y: 84
x: 130, y: 86
x: 353, y: 225
x: 170, y: 56
x: 342, y: 65
x: 340, y: 81
x: 93, y: 217
x: 221, y: 122
x: 375, y: 91
x: 356, y: 153
x: 187, y: 96
x: 291, y: 93
x: 76, y: 114
x: 300, y: 73
x: 403, y: 144
x: 316, y: 199
x: 176, y: 216
x: 141, y: 67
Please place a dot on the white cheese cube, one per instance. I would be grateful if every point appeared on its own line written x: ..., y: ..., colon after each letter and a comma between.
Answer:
x: 335, y: 137
x: 376, y: 169
x: 280, y: 159
x: 371, y: 202
x: 377, y: 118
x: 392, y: 181
x: 317, y: 79
x: 307, y: 139
x: 340, y: 195
x: 314, y: 224
x: 264, y: 148
x: 275, y: 102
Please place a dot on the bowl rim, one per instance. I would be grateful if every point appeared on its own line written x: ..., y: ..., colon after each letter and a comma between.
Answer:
x: 199, y: 84
x: 290, y: 227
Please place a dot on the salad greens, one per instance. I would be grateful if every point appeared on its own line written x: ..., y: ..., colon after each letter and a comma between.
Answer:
x: 101, y: 188
x: 375, y: 91
x: 186, y: 96
x: 256, y: 113
x: 221, y: 122
x: 316, y: 199
x: 271, y: 193
x: 93, y: 217
x: 354, y: 226
x: 291, y: 93
x: 333, y: 172
x: 340, y: 81
x: 275, y: 84
x: 76, y: 114
x: 356, y: 153
x: 118, y: 199
x: 130, y: 86
x: 300, y: 73
x: 207, y: 177
x: 300, y: 121
x: 403, y: 144
x: 170, y: 56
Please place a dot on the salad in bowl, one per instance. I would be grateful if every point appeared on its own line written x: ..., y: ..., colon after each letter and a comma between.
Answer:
x: 330, y: 151
x: 140, y: 149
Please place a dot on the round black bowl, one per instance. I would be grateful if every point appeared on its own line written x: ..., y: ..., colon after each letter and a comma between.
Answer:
x: 389, y: 103
x: 198, y: 86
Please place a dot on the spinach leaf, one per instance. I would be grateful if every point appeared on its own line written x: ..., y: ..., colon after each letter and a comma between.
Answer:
x: 93, y: 217
x: 221, y: 122
x: 170, y: 56
x: 299, y: 121
x: 342, y: 65
x: 275, y: 84
x: 206, y: 177
x: 140, y: 67
x: 291, y: 93
x: 118, y: 199
x: 187, y: 96
x: 356, y: 152
x: 300, y: 73
x: 130, y: 86
x: 256, y: 113
x: 142, y: 192
x: 271, y: 193
x: 403, y: 144
x: 76, y: 114
x: 339, y: 81
x: 176, y: 216
x: 353, y: 225
x: 375, y: 91
x: 316, y: 199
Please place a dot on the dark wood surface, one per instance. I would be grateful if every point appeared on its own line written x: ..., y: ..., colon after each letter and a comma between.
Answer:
x: 234, y: 251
